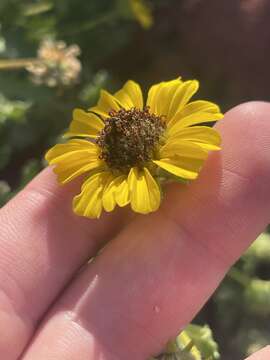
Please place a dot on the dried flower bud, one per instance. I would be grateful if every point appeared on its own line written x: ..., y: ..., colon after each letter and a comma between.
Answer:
x: 58, y: 64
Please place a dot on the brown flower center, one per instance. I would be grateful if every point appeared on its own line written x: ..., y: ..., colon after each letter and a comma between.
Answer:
x: 129, y: 138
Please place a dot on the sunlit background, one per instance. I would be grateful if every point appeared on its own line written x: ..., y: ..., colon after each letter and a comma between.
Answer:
x: 57, y: 54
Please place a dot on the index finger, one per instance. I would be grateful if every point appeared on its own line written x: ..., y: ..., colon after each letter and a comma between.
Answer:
x: 42, y: 244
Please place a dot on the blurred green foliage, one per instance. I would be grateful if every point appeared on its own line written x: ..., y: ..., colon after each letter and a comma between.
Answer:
x: 33, y: 116
x: 202, y: 338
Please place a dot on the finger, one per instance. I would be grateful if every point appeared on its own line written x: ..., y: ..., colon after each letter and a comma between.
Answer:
x: 42, y: 244
x: 152, y: 279
x: 263, y: 354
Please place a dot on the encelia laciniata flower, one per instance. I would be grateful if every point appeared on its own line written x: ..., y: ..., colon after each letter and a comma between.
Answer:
x: 126, y: 149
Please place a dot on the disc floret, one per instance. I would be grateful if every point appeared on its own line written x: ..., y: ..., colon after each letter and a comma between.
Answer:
x: 129, y: 138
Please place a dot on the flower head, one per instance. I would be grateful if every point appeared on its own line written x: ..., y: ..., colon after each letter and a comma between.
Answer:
x: 58, y: 64
x: 127, y: 149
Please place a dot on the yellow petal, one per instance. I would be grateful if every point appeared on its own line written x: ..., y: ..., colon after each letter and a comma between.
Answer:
x: 178, y: 122
x: 199, y: 106
x: 165, y: 97
x: 73, y: 159
x: 206, y: 137
x: 182, y: 148
x: 89, y: 202
x: 144, y: 191
x: 84, y: 124
x: 106, y: 103
x: 117, y: 192
x: 185, y: 168
x: 151, y: 98
x: 130, y: 95
x: 126, y: 101
x: 110, y: 193
x: 122, y: 194
x: 182, y: 96
x: 108, y: 199
x: 160, y: 96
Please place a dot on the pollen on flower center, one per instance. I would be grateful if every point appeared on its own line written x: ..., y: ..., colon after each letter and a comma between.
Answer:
x: 129, y: 137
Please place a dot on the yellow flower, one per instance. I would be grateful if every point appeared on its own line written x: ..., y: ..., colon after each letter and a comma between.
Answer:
x: 142, y: 13
x: 126, y: 149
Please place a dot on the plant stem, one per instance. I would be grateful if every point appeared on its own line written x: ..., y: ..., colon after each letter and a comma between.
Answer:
x: 13, y: 64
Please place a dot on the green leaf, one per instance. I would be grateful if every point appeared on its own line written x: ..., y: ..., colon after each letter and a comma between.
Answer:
x: 2, y: 44
x: 12, y: 109
x: 36, y: 9
x: 260, y: 249
x: 91, y: 91
x: 257, y: 297
x: 124, y: 9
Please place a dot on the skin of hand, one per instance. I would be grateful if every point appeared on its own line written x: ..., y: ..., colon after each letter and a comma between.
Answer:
x: 156, y: 271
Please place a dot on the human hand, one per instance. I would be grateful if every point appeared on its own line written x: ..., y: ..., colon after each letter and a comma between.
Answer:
x: 156, y: 271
